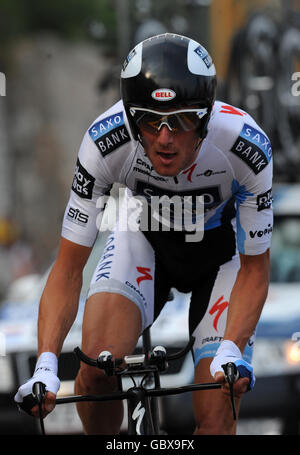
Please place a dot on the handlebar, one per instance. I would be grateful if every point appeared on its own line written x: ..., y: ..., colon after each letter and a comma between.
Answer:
x: 157, y: 357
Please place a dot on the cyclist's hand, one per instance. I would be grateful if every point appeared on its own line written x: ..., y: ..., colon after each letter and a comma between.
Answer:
x: 46, y: 373
x: 229, y: 352
x: 240, y: 386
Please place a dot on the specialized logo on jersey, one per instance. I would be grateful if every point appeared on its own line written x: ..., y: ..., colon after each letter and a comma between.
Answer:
x: 145, y: 271
x: 110, y: 133
x: 190, y: 171
x: 83, y: 182
x: 227, y: 109
x: 253, y: 147
x: 219, y: 307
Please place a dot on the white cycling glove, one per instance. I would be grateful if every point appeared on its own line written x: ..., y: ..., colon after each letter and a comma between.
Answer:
x: 45, y: 372
x: 229, y: 352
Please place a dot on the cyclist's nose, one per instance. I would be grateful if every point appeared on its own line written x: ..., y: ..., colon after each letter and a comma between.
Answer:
x: 165, y: 135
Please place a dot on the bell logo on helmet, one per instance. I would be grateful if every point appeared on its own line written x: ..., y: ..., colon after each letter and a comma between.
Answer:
x: 163, y: 94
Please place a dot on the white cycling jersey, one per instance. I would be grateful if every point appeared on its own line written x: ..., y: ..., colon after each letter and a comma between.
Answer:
x: 233, y: 173
x: 234, y: 164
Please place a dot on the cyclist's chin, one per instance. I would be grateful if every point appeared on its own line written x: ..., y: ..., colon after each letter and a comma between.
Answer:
x: 167, y: 171
x: 166, y: 164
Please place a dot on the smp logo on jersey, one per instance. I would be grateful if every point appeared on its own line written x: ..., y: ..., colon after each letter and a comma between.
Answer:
x: 253, y: 147
x: 145, y: 274
x: 110, y: 133
x: 83, y: 182
x: 211, y: 195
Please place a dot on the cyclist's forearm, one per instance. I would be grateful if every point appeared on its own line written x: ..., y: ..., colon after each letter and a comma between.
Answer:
x: 247, y: 300
x: 58, y: 309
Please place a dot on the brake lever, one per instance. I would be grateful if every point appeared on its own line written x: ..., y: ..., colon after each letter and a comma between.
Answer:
x: 231, y: 375
x: 39, y: 392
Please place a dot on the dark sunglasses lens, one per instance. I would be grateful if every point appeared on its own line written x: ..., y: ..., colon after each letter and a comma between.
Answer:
x: 188, y: 120
x: 148, y: 121
x: 185, y: 121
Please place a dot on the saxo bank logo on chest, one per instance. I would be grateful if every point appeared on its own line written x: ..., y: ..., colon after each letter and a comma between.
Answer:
x: 109, y: 133
x: 253, y: 147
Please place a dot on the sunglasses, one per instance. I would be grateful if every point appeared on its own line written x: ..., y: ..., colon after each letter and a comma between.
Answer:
x: 176, y: 121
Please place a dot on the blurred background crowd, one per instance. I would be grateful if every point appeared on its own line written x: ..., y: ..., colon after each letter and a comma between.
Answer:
x: 61, y: 62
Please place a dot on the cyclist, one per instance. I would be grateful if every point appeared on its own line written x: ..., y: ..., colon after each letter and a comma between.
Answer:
x: 167, y: 136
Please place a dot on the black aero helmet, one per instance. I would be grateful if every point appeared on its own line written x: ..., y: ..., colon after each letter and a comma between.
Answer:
x: 168, y: 71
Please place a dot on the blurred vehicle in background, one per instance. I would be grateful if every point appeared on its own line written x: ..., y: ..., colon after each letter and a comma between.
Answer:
x: 276, y: 358
x: 261, y: 79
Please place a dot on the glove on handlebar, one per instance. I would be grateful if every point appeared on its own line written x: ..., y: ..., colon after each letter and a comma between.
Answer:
x: 45, y: 372
x: 229, y: 352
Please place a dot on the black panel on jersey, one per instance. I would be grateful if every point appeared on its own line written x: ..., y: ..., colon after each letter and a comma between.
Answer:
x: 229, y: 211
x: 200, y: 299
x: 191, y: 266
x: 162, y: 287
x: 83, y: 182
x: 187, y: 263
